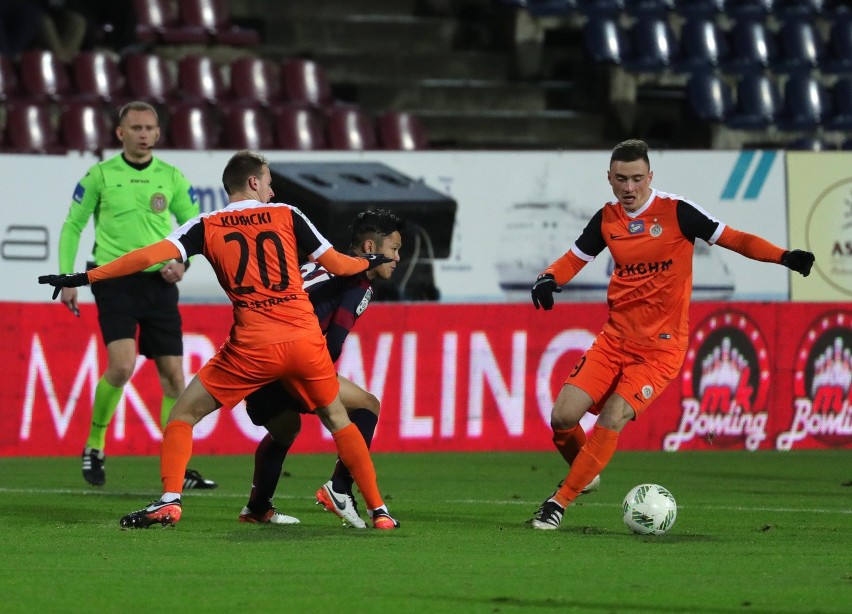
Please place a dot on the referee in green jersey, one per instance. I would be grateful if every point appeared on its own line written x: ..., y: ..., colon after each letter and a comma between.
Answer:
x: 132, y: 197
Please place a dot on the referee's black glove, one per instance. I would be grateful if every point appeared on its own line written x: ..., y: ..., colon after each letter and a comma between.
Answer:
x: 66, y: 280
x: 375, y: 260
x: 798, y: 260
x: 542, y: 291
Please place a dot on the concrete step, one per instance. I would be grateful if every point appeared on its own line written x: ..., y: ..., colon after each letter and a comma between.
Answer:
x: 392, y: 34
x: 513, y: 129
x: 352, y: 66
x: 459, y: 95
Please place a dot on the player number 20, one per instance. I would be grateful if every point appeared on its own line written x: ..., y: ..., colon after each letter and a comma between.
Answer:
x: 262, y: 257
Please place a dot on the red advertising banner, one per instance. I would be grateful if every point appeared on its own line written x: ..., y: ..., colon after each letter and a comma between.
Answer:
x: 460, y: 377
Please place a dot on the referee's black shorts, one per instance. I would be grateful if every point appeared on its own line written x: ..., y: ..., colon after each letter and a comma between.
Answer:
x: 145, y: 301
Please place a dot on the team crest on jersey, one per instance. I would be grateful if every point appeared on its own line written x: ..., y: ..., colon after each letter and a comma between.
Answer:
x: 158, y: 202
x: 647, y: 391
x: 656, y: 230
x: 822, y: 386
x: 636, y: 227
x: 724, y: 385
x: 362, y: 306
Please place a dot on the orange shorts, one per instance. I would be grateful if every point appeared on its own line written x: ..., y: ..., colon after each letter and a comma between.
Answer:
x: 637, y: 373
x: 303, y: 366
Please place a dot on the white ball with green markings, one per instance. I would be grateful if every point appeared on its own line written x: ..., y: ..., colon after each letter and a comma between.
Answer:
x: 649, y: 509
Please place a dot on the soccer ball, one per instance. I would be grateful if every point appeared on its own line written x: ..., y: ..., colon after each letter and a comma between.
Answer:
x: 649, y: 509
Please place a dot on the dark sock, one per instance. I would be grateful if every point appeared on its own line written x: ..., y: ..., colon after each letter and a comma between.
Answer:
x: 268, y: 461
x: 365, y: 421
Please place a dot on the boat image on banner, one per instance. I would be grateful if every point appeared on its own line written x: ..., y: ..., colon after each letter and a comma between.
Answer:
x: 540, y: 232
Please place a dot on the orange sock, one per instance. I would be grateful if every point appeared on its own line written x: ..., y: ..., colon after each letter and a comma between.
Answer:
x: 569, y: 442
x: 354, y: 453
x: 174, y: 455
x: 591, y: 460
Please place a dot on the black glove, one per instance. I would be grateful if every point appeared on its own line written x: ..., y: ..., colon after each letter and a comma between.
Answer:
x: 798, y: 260
x: 67, y: 280
x: 375, y: 260
x: 542, y: 291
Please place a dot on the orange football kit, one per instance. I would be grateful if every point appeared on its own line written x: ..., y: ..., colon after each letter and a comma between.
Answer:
x: 252, y: 247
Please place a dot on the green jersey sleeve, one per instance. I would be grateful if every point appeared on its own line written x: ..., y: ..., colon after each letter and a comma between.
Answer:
x: 83, y: 203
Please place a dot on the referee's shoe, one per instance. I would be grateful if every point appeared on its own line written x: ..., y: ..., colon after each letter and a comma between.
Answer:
x: 193, y: 479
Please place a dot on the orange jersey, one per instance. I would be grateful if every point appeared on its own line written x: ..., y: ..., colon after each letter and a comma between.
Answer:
x: 252, y: 247
x: 651, y: 283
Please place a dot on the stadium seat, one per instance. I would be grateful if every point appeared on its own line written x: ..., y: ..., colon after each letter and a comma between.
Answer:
x: 652, y: 45
x: 753, y: 47
x: 212, y: 16
x: 247, y: 127
x: 351, y: 129
x: 542, y: 8
x: 97, y: 76
x: 159, y: 21
x: 31, y: 128
x: 255, y: 80
x: 599, y: 8
x: 150, y: 78
x: 801, y: 47
x: 400, y: 130
x: 696, y: 8
x: 809, y: 143
x: 710, y: 99
x: 43, y: 76
x: 9, y: 85
x: 200, y: 78
x: 806, y: 104
x: 703, y: 44
x: 841, y: 98
x: 299, y: 128
x: 604, y: 41
x: 305, y: 82
x: 758, y: 102
x: 839, y: 49
x: 745, y: 9
x: 192, y: 125
x: 657, y: 8
x: 83, y: 126
x: 797, y: 8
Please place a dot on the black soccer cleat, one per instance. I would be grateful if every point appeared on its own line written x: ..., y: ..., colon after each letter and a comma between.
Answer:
x: 548, y: 517
x: 193, y: 479
x: 93, y: 467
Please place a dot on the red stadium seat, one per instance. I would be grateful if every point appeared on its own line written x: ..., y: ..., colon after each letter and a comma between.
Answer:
x: 159, y: 21
x: 247, y: 127
x: 43, y: 76
x: 200, y: 78
x: 9, y: 86
x: 212, y: 17
x: 350, y: 128
x: 305, y: 82
x: 255, y: 80
x: 98, y: 76
x: 401, y: 130
x: 299, y: 128
x: 84, y: 126
x: 31, y: 128
x: 150, y: 78
x: 192, y: 125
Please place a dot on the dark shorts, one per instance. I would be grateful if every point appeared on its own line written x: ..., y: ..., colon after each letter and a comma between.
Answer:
x: 272, y: 400
x: 143, y: 301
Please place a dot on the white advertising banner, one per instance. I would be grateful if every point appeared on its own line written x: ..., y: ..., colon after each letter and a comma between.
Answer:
x: 517, y: 212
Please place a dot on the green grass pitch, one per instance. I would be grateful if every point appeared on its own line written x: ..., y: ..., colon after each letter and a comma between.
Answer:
x: 764, y: 532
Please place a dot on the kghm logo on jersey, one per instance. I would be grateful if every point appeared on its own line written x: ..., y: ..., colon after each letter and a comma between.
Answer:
x: 822, y: 388
x: 724, y: 385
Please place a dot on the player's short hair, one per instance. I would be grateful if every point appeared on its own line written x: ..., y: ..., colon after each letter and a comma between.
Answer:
x: 137, y: 105
x: 240, y: 167
x: 630, y: 151
x: 374, y: 224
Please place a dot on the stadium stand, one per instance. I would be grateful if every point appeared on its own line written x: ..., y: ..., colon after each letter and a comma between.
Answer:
x: 191, y: 125
x: 400, y: 130
x: 97, y: 75
x: 299, y: 128
x: 84, y: 126
x: 351, y: 129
